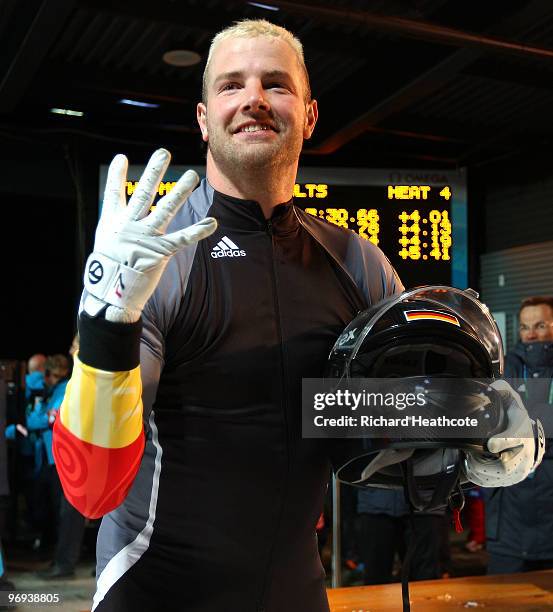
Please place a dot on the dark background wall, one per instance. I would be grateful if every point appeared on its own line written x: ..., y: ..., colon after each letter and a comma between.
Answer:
x: 512, y: 204
x: 519, y: 203
x: 44, y: 224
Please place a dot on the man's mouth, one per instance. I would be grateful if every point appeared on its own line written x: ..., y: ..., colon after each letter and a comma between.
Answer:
x: 255, y: 127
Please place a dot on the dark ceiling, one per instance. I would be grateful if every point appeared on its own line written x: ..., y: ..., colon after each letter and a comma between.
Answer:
x: 439, y: 83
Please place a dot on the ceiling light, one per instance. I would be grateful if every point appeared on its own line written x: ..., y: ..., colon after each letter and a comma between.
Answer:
x: 182, y: 58
x: 67, y: 111
x: 267, y: 7
x: 130, y: 102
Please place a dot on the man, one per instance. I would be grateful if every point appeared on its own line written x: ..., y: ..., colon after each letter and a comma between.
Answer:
x: 39, y: 423
x: 212, y: 494
x: 519, y: 519
x: 34, y: 379
x: 36, y: 363
x: 25, y: 443
x: 535, y: 322
x: 69, y: 522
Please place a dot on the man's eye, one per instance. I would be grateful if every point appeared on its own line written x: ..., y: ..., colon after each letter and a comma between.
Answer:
x: 229, y: 86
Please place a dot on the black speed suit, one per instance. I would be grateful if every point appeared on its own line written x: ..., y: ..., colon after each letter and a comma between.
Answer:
x: 221, y: 516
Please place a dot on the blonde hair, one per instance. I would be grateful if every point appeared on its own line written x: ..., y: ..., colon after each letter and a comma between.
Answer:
x: 251, y: 28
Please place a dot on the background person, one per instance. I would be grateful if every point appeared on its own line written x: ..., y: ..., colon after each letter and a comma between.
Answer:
x: 26, y: 469
x: 36, y: 363
x: 40, y: 422
x: 385, y: 530
x: 519, y: 519
x: 71, y: 526
x: 35, y: 385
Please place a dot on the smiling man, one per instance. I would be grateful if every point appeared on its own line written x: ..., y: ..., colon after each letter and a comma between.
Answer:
x: 211, y: 494
x: 182, y: 420
x: 255, y: 114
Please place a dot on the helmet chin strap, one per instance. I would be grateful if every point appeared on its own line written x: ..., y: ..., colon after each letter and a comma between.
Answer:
x: 440, y: 495
x: 447, y: 491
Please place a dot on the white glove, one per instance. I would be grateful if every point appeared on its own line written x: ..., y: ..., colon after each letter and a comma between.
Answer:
x: 131, y: 248
x: 519, y: 450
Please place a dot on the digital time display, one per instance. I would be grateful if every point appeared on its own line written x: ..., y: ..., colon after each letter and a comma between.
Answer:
x: 412, y: 224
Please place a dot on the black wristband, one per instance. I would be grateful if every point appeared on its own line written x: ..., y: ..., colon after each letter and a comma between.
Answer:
x: 109, y: 346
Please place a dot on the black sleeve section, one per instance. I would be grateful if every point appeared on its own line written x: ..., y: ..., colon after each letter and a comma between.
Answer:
x: 114, y: 347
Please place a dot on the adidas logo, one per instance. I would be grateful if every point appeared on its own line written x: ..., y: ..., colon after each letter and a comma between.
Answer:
x: 226, y: 248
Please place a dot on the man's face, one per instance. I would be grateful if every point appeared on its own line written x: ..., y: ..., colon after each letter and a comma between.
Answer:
x: 536, y: 323
x: 53, y: 377
x: 256, y: 114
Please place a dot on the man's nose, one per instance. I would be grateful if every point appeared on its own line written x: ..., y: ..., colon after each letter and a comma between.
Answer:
x: 255, y: 99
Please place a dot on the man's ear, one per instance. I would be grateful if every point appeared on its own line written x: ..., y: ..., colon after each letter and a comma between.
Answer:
x: 311, y: 116
x: 201, y: 118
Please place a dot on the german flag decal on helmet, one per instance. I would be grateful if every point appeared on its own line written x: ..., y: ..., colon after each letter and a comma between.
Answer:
x: 433, y: 315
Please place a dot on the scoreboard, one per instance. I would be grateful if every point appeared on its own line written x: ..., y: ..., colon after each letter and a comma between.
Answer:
x: 417, y: 217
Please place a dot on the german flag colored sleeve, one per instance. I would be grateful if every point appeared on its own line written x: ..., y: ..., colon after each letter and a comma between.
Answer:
x: 99, y: 434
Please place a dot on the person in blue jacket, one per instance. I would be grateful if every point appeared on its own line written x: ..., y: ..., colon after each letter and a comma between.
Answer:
x: 519, y: 518
x: 25, y: 442
x: 35, y: 388
x: 34, y: 379
x: 40, y: 421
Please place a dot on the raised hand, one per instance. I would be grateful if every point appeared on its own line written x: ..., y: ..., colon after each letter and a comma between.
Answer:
x: 131, y: 248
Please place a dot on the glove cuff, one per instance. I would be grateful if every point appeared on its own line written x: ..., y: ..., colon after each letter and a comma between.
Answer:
x: 114, y: 347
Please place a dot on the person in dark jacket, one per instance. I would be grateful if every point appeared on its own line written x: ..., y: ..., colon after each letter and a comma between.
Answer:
x: 385, y: 529
x: 40, y: 420
x: 71, y: 525
x: 519, y: 518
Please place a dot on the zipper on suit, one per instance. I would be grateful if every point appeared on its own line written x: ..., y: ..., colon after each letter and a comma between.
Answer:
x: 284, y: 390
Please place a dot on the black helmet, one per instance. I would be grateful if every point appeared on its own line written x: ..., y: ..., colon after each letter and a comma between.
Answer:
x: 430, y: 337
x: 419, y: 315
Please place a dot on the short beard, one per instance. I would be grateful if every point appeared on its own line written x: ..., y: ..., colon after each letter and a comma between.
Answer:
x: 232, y: 158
